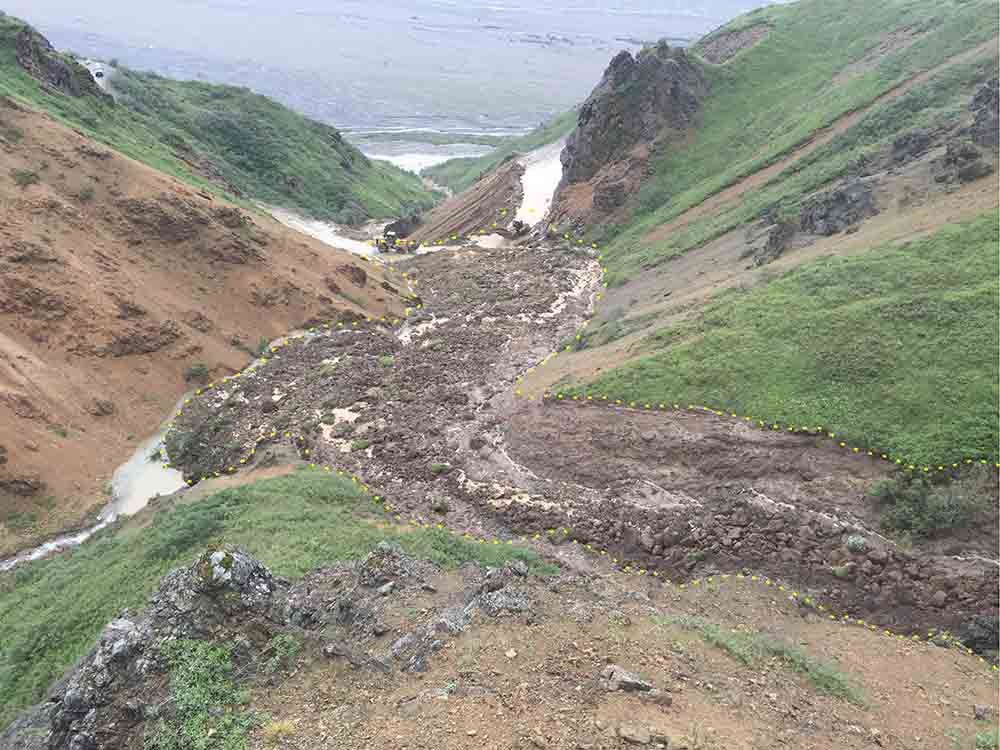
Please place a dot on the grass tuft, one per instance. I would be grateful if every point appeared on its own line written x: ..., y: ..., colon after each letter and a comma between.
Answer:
x: 750, y: 648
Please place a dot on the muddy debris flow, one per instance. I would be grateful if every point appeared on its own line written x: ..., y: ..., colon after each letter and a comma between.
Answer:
x: 427, y: 415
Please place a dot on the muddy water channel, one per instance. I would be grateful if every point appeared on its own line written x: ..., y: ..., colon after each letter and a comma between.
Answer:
x: 144, y: 476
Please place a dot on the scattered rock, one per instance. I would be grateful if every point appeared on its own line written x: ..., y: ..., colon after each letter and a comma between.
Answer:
x: 386, y: 588
x: 635, y: 734
x: 614, y: 678
x: 101, y: 408
x: 835, y: 210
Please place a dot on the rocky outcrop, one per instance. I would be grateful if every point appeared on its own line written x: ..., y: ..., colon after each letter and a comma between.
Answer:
x: 37, y: 57
x: 837, y: 209
x: 639, y: 96
x: 228, y: 596
x: 962, y: 162
x: 639, y: 100
x: 986, y: 109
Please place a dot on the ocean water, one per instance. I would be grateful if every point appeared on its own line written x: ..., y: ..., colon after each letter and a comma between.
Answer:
x: 483, y: 65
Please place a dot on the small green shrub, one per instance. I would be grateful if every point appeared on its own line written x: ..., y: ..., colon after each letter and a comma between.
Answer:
x: 263, y: 345
x: 10, y: 133
x: 915, y: 505
x: 360, y: 445
x: 387, y: 360
x: 988, y: 740
x: 17, y: 520
x: 23, y: 177
x: 857, y: 544
x: 437, y: 469
x: 284, y: 648
x: 275, y: 731
x: 86, y: 194
x: 197, y: 373
x: 205, y: 707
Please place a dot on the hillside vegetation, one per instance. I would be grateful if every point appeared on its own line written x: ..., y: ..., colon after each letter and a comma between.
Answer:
x: 294, y: 523
x: 818, y: 61
x: 460, y: 174
x: 894, y: 349
x: 815, y: 113
x: 215, y: 137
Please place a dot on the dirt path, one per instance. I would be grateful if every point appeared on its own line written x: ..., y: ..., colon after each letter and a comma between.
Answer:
x: 820, y: 138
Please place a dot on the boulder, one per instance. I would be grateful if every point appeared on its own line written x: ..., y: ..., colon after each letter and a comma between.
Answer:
x: 985, y: 107
x: 835, y: 210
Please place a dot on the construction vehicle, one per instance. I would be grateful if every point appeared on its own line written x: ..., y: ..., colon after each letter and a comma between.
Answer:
x: 391, y: 242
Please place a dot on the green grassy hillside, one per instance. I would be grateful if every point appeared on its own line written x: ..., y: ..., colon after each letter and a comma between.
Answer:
x: 459, y: 174
x: 815, y: 66
x: 51, y: 611
x: 199, y: 132
x: 893, y: 350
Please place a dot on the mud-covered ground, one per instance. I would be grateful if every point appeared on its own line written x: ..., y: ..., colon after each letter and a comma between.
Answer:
x: 426, y: 413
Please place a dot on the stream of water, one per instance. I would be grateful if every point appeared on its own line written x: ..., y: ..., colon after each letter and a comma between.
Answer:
x: 137, y: 481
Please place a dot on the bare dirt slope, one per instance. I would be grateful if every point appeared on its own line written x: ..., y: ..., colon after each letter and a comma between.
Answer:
x: 492, y: 200
x: 114, y: 281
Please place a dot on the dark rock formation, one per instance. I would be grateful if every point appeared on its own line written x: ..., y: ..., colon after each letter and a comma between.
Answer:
x: 909, y: 146
x: 836, y: 210
x: 986, y: 108
x: 36, y: 56
x: 637, y: 97
x: 228, y: 596
x: 962, y: 162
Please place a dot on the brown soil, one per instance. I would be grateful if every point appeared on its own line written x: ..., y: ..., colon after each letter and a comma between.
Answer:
x: 532, y: 680
x: 821, y: 137
x: 487, y: 205
x: 114, y: 280
x: 721, y: 47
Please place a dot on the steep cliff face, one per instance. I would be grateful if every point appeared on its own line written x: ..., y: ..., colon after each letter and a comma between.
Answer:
x: 40, y: 60
x: 639, y: 100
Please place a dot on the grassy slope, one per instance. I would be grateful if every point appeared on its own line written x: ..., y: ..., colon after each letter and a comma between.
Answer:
x: 459, y: 174
x: 894, y: 349
x: 261, y: 147
x: 51, y: 611
x: 773, y: 96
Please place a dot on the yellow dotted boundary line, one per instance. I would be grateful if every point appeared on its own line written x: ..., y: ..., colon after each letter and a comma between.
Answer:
x: 760, y: 422
x: 696, y: 584
x: 764, y: 424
